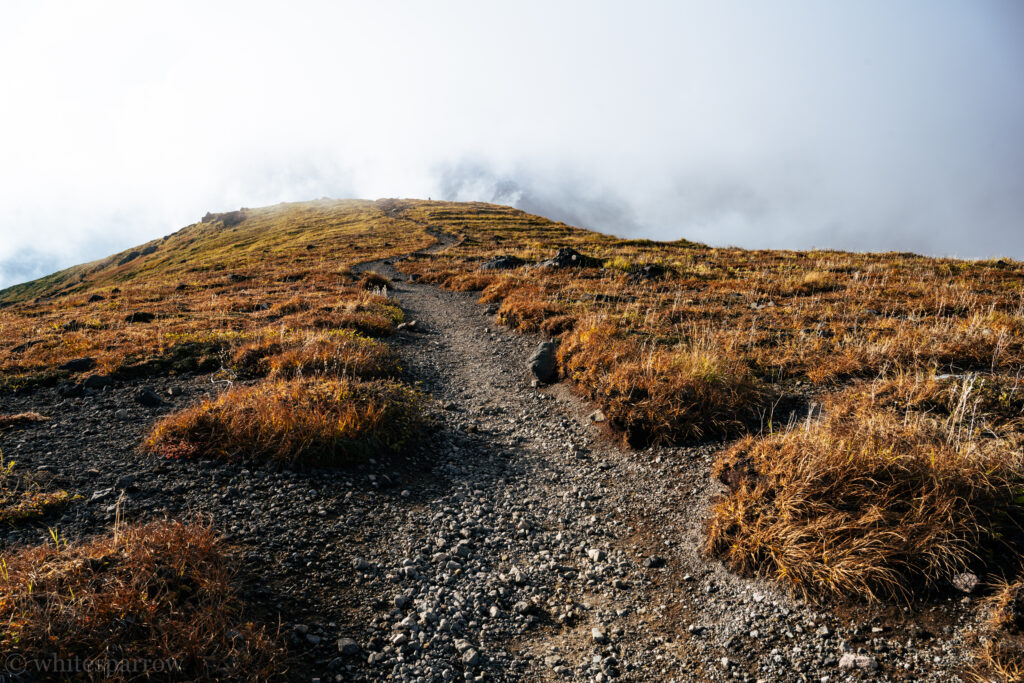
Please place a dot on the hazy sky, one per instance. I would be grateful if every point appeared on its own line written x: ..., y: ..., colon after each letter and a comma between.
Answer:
x: 889, y: 124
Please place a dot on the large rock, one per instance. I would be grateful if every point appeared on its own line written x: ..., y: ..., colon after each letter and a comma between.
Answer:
x: 139, y: 317
x: 542, y: 361
x: 567, y: 257
x: 148, y: 398
x: 650, y: 271
x: 502, y: 263
x: 79, y: 365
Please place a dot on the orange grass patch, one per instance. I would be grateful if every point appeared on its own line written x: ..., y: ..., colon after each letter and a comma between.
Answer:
x: 303, y: 421
x: 865, y: 502
x: 163, y: 591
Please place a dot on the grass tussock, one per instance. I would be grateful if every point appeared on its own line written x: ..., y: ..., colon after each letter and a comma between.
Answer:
x: 340, y: 353
x: 660, y: 394
x: 164, y: 591
x: 865, y: 503
x: 22, y: 499
x: 374, y: 281
x: 319, y: 421
x: 20, y: 420
x: 999, y: 648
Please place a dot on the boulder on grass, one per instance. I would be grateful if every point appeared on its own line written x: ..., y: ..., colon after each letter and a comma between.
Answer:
x: 542, y: 361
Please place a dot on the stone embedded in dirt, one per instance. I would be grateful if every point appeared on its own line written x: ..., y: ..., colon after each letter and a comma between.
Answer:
x: 411, y: 326
x: 148, y: 398
x: 100, y: 494
x: 654, y: 562
x: 502, y: 263
x: 542, y: 361
x: 598, y: 635
x: 470, y: 657
x: 348, y: 647
x: 79, y: 365
x: 966, y: 582
x: 567, y: 257
x: 851, y: 660
x: 97, y: 382
x: 96, y: 297
x: 139, y: 317
x: 650, y: 271
x: 597, y: 416
x: 595, y: 554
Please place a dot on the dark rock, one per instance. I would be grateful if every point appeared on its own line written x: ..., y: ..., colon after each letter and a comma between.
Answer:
x: 139, y: 317
x: 229, y: 219
x: 69, y: 390
x: 237, y: 277
x: 79, y: 365
x: 348, y: 647
x: 654, y: 562
x: 181, y: 287
x: 502, y: 263
x: 96, y: 297
x: 97, y: 382
x: 542, y: 361
x: 148, y: 398
x: 650, y: 271
x: 567, y: 257
x: 129, y: 257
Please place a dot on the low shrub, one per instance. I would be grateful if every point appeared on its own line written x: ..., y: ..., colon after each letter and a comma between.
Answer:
x: 321, y: 421
x: 999, y: 651
x: 658, y: 395
x: 162, y: 593
x: 339, y: 353
x: 864, y: 502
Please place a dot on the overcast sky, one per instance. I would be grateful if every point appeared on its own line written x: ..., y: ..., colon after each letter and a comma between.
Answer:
x: 878, y: 125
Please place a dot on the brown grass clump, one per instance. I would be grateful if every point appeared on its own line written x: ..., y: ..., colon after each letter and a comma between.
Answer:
x: 21, y: 499
x: 304, y: 421
x: 20, y: 420
x: 658, y: 394
x: 341, y: 353
x: 864, y: 503
x: 373, y: 281
x: 527, y: 310
x: 161, y: 597
x: 999, y: 651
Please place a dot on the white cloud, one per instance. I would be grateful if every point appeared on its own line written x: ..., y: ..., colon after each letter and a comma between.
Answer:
x: 794, y: 123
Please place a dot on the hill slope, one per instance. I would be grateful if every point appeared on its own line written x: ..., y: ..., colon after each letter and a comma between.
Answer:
x: 836, y: 428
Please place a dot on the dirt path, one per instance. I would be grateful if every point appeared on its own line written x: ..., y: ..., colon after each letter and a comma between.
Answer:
x: 514, y: 544
x: 542, y: 550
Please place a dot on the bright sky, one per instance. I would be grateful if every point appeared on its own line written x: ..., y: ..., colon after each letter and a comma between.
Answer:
x: 761, y: 123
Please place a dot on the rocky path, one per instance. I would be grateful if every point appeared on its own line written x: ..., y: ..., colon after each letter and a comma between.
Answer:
x: 517, y: 543
x: 543, y: 551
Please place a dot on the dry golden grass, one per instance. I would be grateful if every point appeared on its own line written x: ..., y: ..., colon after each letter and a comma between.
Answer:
x: 320, y: 421
x: 20, y: 420
x: 865, y: 502
x: 162, y: 593
x: 22, y: 499
x: 999, y: 653
x: 211, y: 288
x: 657, y: 393
x: 342, y: 353
x: 784, y: 319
